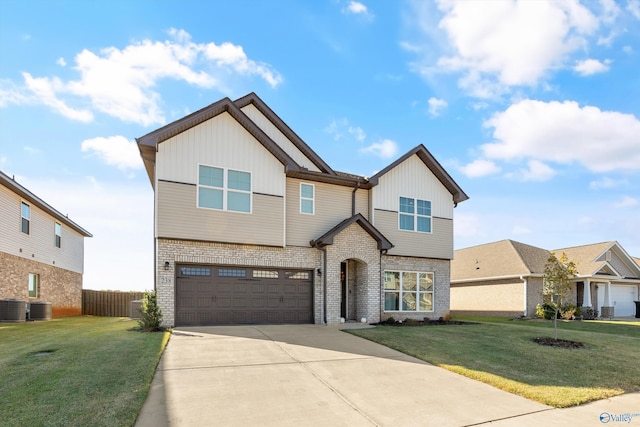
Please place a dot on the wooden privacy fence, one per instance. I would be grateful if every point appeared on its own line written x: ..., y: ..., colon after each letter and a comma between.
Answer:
x: 108, y: 303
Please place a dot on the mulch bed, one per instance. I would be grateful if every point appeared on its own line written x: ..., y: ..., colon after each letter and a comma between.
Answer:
x: 557, y: 343
x: 425, y: 322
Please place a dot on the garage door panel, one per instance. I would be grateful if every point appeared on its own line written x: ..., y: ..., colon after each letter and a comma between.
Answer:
x: 622, y: 298
x: 242, y: 295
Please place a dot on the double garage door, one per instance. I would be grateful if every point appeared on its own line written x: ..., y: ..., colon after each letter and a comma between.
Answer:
x: 228, y: 295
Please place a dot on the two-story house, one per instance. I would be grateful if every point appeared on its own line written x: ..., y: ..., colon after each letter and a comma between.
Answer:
x: 252, y: 226
x: 41, y: 251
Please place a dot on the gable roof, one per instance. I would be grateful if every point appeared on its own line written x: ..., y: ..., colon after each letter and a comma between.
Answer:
x: 502, y: 259
x: 255, y: 100
x: 327, y: 238
x: 148, y: 144
x: 433, y: 165
x: 637, y: 260
x: 148, y: 147
x: 592, y: 259
x: 21, y: 191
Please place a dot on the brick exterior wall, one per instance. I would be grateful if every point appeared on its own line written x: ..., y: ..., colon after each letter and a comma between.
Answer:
x: 357, y: 246
x: 353, y: 246
x: 442, y: 276
x: 182, y: 251
x: 62, y: 288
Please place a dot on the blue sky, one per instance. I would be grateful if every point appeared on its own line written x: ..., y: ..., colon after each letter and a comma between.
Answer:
x: 531, y: 106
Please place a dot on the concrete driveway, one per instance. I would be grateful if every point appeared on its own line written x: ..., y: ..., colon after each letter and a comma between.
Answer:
x: 316, y: 376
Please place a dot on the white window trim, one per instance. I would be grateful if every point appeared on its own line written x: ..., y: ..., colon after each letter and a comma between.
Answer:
x: 415, y: 215
x: 22, y: 202
x: 37, y: 285
x: 56, y: 235
x: 418, y: 292
x: 313, y: 199
x: 224, y: 188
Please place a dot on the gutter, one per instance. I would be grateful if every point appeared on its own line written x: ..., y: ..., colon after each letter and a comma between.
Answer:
x: 482, y: 279
x: 526, y: 301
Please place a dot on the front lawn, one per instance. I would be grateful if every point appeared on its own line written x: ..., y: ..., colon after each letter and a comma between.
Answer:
x: 500, y: 352
x: 76, y: 371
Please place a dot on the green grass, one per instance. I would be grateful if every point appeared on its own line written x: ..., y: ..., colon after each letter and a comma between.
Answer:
x: 76, y: 371
x: 500, y: 352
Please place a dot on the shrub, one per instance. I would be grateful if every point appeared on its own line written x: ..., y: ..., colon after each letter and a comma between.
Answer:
x: 589, y: 313
x: 151, y: 313
x: 545, y: 311
x: 567, y: 312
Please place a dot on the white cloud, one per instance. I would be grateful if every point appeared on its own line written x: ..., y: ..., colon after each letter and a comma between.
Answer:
x: 537, y: 171
x: 32, y: 151
x: 564, y: 132
x: 115, y: 151
x: 357, y: 8
x: 338, y: 128
x: 61, y: 62
x: 357, y: 133
x: 633, y: 6
x: 610, y: 11
x: 627, y: 49
x: 627, y: 202
x: 3, y: 161
x: 591, y: 66
x: 44, y: 90
x: 606, y: 183
x: 122, y: 82
x: 385, y: 149
x: 495, y: 45
x: 479, y: 168
x: 436, y: 106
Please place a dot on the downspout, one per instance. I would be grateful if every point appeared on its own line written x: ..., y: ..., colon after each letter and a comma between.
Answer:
x: 353, y: 198
x: 324, y: 284
x: 526, y: 296
x: 381, y: 290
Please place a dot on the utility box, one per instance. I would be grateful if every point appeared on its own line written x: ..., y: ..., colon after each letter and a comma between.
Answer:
x: 40, y: 310
x: 136, y: 306
x: 13, y: 310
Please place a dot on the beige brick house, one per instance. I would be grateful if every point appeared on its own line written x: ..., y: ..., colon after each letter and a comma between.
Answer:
x: 41, y: 251
x: 505, y: 278
x: 252, y: 226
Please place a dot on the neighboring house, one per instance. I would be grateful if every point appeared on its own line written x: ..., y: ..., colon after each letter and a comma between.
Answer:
x: 41, y: 251
x: 505, y: 278
x: 252, y: 226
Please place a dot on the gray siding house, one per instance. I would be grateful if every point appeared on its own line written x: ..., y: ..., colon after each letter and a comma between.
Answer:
x: 41, y: 251
x: 252, y: 226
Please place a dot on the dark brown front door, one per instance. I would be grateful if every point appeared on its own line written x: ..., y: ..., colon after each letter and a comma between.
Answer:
x: 225, y: 295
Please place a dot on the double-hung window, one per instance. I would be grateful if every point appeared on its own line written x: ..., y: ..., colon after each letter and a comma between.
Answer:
x: 224, y: 189
x: 307, y: 192
x: 25, y: 212
x: 414, y: 215
x: 58, y: 238
x: 408, y: 291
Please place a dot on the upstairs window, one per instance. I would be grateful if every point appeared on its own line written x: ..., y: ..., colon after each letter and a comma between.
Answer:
x: 224, y: 189
x: 25, y: 212
x: 307, y: 192
x: 58, y: 238
x: 414, y: 215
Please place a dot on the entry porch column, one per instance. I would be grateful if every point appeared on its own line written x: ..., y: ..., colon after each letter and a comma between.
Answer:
x: 586, y: 295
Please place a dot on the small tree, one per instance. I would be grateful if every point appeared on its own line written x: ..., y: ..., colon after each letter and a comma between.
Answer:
x: 151, y: 313
x: 558, y: 273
